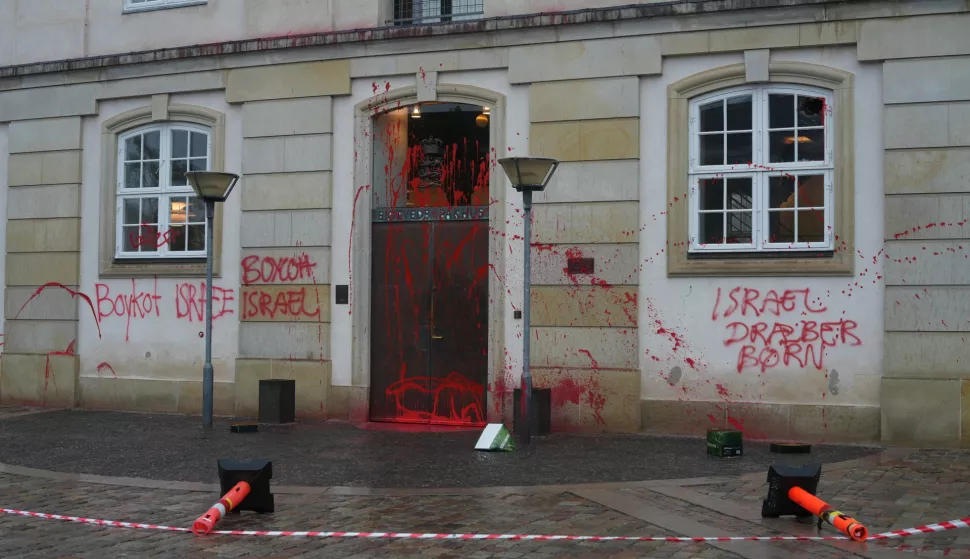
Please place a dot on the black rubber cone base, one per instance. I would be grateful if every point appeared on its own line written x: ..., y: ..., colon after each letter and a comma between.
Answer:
x: 791, y: 448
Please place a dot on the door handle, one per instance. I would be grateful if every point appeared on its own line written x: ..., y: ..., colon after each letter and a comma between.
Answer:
x: 434, y: 336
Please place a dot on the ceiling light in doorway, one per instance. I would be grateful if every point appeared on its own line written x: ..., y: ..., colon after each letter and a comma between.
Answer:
x: 482, y: 120
x: 416, y: 113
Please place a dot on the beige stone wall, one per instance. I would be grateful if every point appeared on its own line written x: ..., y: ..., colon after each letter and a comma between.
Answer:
x: 39, y: 363
x: 287, y: 186
x: 926, y: 387
x: 584, y: 323
x: 585, y: 109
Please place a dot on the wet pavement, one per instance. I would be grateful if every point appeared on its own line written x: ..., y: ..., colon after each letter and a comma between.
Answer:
x: 173, y: 447
x: 887, y: 489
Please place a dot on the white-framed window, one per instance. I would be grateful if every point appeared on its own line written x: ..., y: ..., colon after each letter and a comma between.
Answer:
x: 761, y: 170
x: 418, y: 12
x: 145, y: 5
x: 158, y: 215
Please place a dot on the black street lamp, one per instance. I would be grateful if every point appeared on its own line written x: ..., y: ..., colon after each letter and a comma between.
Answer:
x: 528, y: 175
x: 211, y: 187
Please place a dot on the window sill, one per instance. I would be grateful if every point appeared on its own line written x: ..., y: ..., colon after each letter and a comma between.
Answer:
x: 139, y: 9
x: 170, y: 268
x: 820, y: 255
x: 766, y: 265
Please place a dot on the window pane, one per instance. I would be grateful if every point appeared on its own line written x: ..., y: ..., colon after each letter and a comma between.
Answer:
x: 130, y: 239
x: 180, y: 143
x: 781, y: 227
x: 712, y: 149
x: 811, y: 191
x: 810, y: 111
x: 711, y: 228
x: 177, y: 210
x: 131, y: 212
x: 150, y: 174
x: 199, y: 145
x: 738, y: 228
x: 781, y: 192
x: 143, y: 238
x: 176, y: 237
x: 197, y: 164
x: 811, y: 226
x: 811, y: 145
x: 178, y: 173
x: 712, y: 116
x: 196, y: 210
x: 782, y: 146
x: 132, y: 175
x: 196, y: 237
x: 739, y: 194
x: 739, y: 148
x: 781, y: 111
x: 739, y: 113
x: 152, y: 141
x: 712, y: 194
x: 149, y: 210
x: 133, y: 148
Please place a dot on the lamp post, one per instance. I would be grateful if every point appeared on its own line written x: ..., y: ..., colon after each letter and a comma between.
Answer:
x: 211, y: 187
x: 528, y: 175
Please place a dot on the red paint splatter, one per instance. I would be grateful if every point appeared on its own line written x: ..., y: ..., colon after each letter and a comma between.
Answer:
x: 350, y: 247
x: 449, y: 397
x: 105, y: 366
x: 69, y: 352
x: 591, y: 358
x: 74, y: 295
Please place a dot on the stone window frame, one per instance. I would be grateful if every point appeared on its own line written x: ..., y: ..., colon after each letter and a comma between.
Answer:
x: 151, y: 5
x: 679, y: 96
x: 112, y: 130
x: 165, y: 191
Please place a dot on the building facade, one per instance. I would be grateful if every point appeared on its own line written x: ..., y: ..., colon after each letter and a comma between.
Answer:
x: 759, y: 219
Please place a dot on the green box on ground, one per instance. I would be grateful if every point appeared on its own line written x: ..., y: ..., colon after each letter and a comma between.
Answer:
x: 724, y: 442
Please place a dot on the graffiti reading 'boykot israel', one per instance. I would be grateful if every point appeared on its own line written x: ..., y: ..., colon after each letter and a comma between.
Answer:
x: 765, y: 344
x: 139, y: 303
x: 298, y: 302
x: 271, y: 270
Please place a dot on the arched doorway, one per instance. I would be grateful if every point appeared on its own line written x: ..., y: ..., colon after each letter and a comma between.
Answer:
x: 433, y: 318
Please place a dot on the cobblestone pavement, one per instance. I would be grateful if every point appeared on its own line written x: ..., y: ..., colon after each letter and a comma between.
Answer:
x: 921, y: 487
x: 889, y: 490
x: 333, y: 453
x: 510, y: 513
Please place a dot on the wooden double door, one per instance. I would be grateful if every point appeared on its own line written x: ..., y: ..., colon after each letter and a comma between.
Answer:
x: 429, y: 320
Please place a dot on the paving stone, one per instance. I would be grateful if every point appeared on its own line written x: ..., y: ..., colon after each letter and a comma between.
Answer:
x: 338, y: 454
x: 918, y: 488
x: 922, y: 487
x: 32, y: 537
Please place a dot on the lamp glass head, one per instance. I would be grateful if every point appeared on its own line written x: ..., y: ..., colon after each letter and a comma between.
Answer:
x: 529, y: 173
x: 211, y: 185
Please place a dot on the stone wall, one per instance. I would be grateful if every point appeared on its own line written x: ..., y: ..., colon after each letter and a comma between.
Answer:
x: 585, y: 236
x: 925, y: 390
x: 587, y: 108
x: 39, y: 360
x: 286, y: 229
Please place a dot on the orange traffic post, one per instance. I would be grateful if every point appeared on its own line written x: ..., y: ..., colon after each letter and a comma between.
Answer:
x: 207, y: 521
x: 848, y: 526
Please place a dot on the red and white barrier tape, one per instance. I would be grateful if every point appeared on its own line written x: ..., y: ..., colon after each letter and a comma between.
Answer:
x: 915, y: 531
x: 95, y: 521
